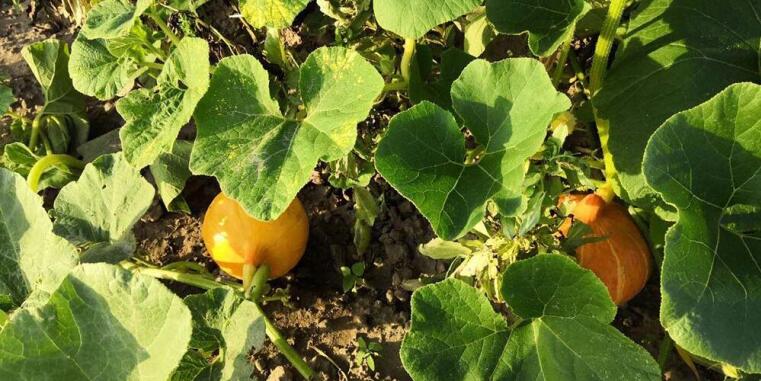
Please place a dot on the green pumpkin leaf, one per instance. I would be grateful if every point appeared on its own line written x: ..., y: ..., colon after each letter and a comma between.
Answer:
x: 226, y: 322
x: 706, y: 162
x: 423, y: 88
x: 113, y: 18
x: 554, y: 348
x: 102, y: 145
x: 414, y: 18
x: 548, y: 22
x: 103, y: 322
x: 171, y: 171
x: 49, y: 62
x: 154, y: 117
x: 262, y: 158
x: 455, y: 334
x: 507, y: 106
x: 552, y: 285
x: 276, y: 14
x: 96, y: 72
x: 97, y: 212
x: 32, y: 258
x: 677, y: 55
x: 194, y: 366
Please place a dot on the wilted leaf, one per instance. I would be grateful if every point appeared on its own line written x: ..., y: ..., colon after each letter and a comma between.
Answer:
x: 438, y: 248
x: 97, y: 211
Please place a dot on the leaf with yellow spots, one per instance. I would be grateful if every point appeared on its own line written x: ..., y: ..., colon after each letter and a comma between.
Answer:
x: 271, y: 13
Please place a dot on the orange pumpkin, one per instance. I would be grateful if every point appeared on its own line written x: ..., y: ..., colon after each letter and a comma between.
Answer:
x: 622, y: 261
x: 234, y: 238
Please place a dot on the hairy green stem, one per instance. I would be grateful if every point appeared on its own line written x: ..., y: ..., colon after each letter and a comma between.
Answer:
x: 664, y: 351
x: 409, y: 52
x: 195, y: 280
x: 48, y: 161
x: 164, y: 28
x: 597, y: 74
x: 205, y: 283
x: 286, y: 349
x: 46, y: 144
x: 605, y: 44
x: 564, y: 49
x: 259, y: 283
x: 395, y: 86
x: 35, y: 134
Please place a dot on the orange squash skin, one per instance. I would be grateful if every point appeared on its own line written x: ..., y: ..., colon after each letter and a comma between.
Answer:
x: 623, y: 261
x: 234, y: 238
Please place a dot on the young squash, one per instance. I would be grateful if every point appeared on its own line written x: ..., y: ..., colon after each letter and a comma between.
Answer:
x: 234, y: 238
x: 623, y: 260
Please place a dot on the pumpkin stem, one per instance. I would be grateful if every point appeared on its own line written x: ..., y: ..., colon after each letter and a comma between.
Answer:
x: 606, y: 192
x: 249, y: 270
x: 259, y: 283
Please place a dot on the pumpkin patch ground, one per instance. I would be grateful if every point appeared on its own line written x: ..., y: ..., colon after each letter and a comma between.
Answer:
x: 389, y: 191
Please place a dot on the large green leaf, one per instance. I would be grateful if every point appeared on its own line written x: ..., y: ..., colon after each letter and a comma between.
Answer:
x: 226, y: 322
x: 677, y: 54
x: 32, y: 258
x: 414, y: 18
x: 276, y: 14
x: 95, y: 71
x: 548, y: 22
x: 171, y: 171
x: 261, y: 158
x: 568, y: 336
x: 707, y: 163
x: 154, y: 117
x: 113, y: 18
x: 507, y: 106
x: 103, y: 323
x: 455, y: 334
x: 97, y: 212
x: 572, y: 292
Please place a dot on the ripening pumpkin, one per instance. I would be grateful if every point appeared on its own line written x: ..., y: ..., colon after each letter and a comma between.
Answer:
x: 234, y: 238
x: 623, y: 260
